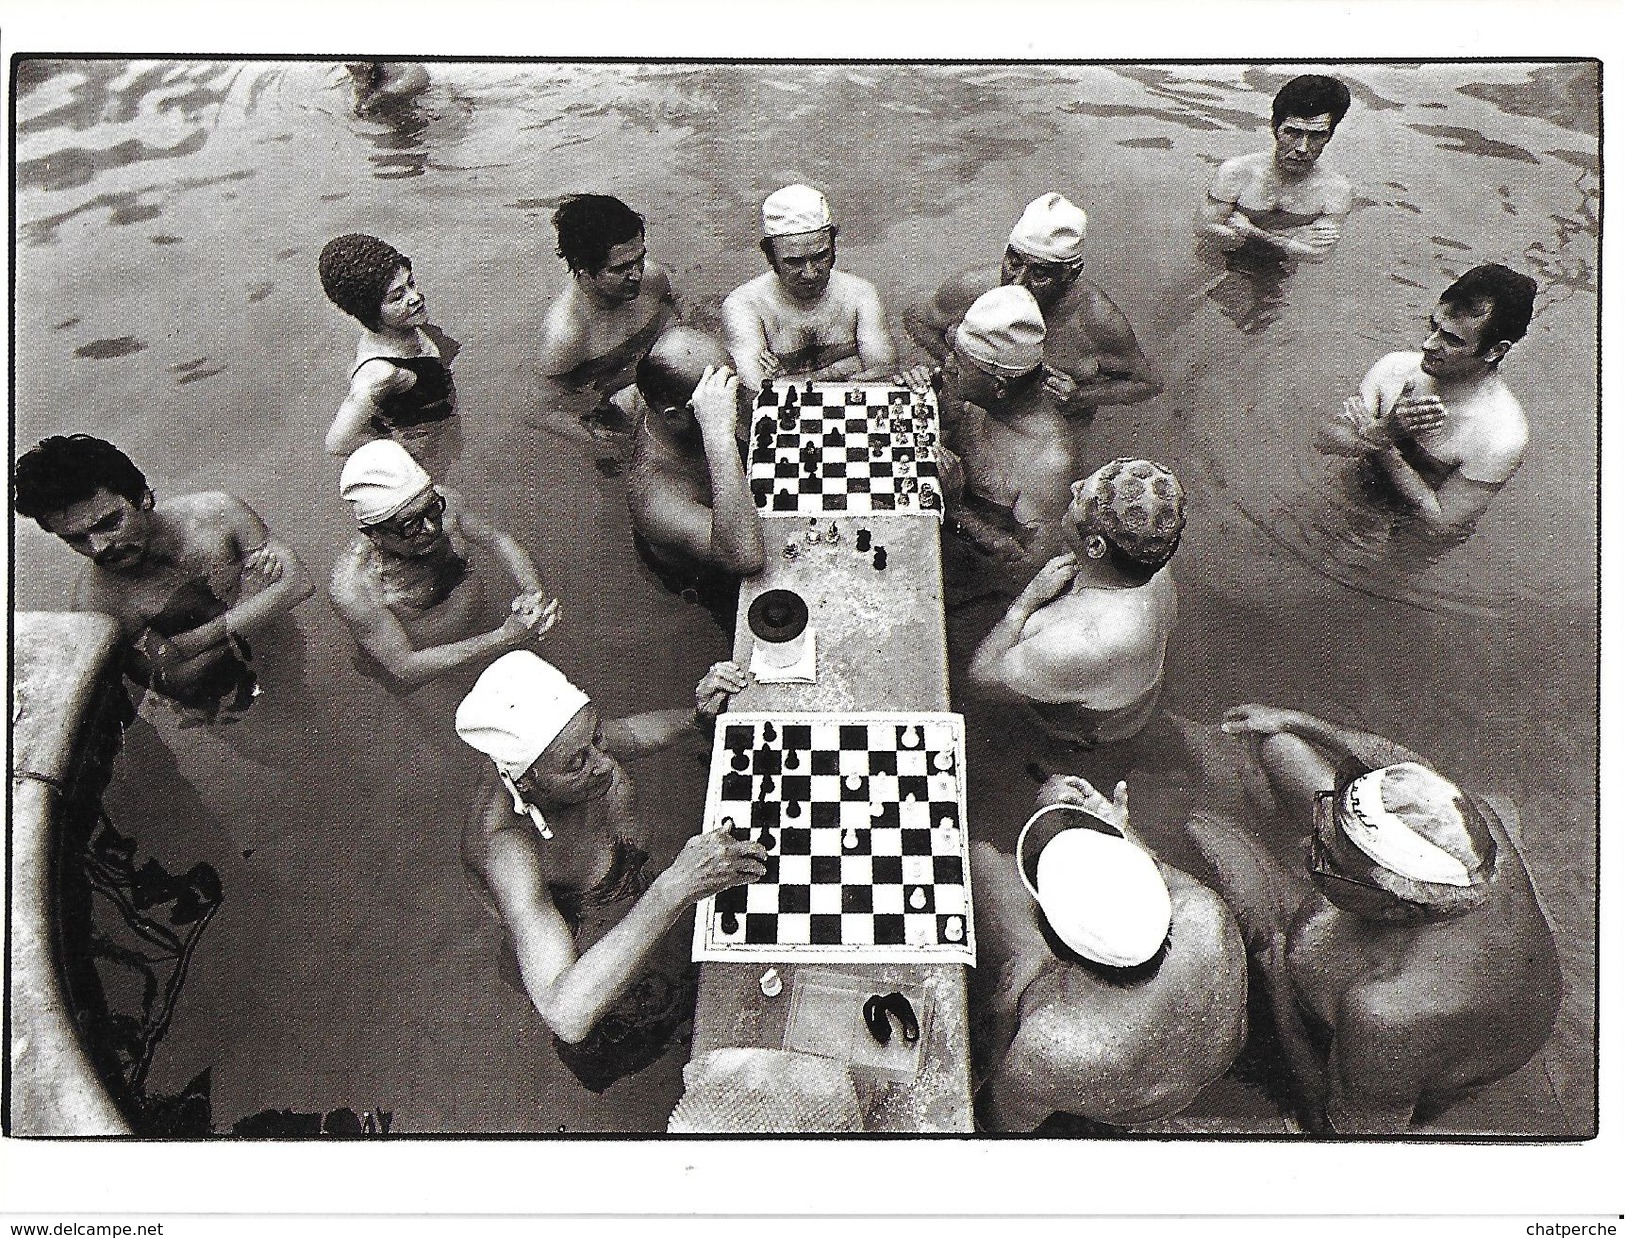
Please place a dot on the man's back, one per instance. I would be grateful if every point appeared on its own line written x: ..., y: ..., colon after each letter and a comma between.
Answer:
x: 1100, y: 648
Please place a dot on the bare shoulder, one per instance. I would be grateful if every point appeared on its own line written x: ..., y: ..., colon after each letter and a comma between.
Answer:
x: 564, y: 332
x: 853, y: 290
x: 749, y: 295
x: 1235, y: 175
x: 351, y: 587
x: 211, y: 510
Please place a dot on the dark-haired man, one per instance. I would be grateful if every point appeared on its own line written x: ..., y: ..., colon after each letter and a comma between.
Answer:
x: 1411, y: 965
x: 1437, y: 431
x: 188, y: 579
x: 1083, y: 644
x: 804, y: 319
x: 694, y: 521
x: 1110, y: 985
x: 1281, y: 200
x: 1091, y: 355
x: 616, y: 305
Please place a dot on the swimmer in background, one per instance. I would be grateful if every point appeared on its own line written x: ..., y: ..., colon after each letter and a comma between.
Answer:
x: 1091, y: 355
x: 694, y: 520
x: 1405, y: 956
x: 1000, y: 419
x: 561, y: 853
x: 382, y: 84
x: 405, y: 587
x: 401, y: 383
x: 1085, y: 642
x: 1281, y: 200
x: 613, y: 309
x: 1436, y: 432
x: 804, y: 319
x: 188, y: 579
x: 1119, y: 992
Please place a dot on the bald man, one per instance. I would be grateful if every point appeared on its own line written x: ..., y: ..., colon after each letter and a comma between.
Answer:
x: 693, y: 519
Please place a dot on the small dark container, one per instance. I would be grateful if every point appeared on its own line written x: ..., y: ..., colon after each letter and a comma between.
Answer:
x: 777, y: 616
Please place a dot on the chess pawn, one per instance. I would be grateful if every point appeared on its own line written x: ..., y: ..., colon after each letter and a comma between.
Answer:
x: 772, y: 984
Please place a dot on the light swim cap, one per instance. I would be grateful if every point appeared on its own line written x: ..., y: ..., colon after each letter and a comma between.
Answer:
x: 793, y: 210
x: 1003, y: 332
x: 516, y: 709
x: 1414, y: 823
x: 1051, y: 229
x: 355, y: 271
x: 1104, y: 897
x: 1138, y: 504
x: 379, y: 479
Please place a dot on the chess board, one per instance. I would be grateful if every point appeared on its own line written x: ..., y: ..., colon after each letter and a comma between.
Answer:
x: 833, y: 448
x: 863, y: 817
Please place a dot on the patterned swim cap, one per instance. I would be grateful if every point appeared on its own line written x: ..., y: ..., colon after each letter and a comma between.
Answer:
x: 355, y: 270
x: 1138, y: 505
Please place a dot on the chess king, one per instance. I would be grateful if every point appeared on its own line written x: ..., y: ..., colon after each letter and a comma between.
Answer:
x: 560, y: 852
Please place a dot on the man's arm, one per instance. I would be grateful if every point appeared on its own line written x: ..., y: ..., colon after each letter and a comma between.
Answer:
x: 1218, y: 220
x: 745, y: 336
x: 642, y: 734
x: 271, y: 580
x: 564, y: 338
x: 1374, y: 1075
x: 877, y: 354
x: 483, y: 533
x: 1008, y: 666
x: 1122, y: 375
x: 1341, y: 743
x: 1451, y: 509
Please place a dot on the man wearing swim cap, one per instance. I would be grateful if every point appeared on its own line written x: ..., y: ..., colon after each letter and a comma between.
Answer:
x: 188, y: 578
x: 694, y: 520
x: 1084, y: 643
x: 804, y: 319
x: 1109, y: 984
x: 406, y: 587
x: 562, y: 855
x: 614, y: 307
x: 1437, y: 433
x: 1281, y: 200
x: 1413, y: 965
x: 1001, y: 421
x: 1091, y: 355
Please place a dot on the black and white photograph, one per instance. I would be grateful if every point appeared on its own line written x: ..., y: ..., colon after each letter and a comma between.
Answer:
x: 822, y: 602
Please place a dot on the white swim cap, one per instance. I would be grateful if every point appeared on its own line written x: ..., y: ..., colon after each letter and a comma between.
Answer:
x: 1003, y: 332
x: 1102, y: 895
x: 1410, y: 821
x: 794, y: 209
x: 1051, y: 229
x: 379, y: 479
x: 516, y: 709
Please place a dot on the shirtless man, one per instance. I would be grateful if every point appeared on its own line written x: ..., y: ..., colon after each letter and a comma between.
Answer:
x: 561, y: 851
x: 804, y: 319
x: 1437, y: 432
x: 1116, y: 984
x: 616, y: 305
x: 1015, y: 447
x: 1091, y: 356
x: 1084, y: 643
x: 401, y: 385
x: 1280, y: 200
x: 694, y: 522
x: 188, y: 579
x: 1413, y: 965
x: 405, y: 588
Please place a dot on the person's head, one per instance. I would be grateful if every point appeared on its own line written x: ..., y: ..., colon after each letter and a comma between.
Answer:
x: 88, y: 493
x: 1478, y: 318
x: 1045, y: 253
x: 998, y: 347
x: 601, y: 241
x: 1129, y: 515
x: 371, y: 281
x: 541, y: 732
x: 798, y: 240
x: 395, y: 503
x: 1401, y: 843
x: 1104, y: 899
x: 1305, y: 115
x: 668, y: 373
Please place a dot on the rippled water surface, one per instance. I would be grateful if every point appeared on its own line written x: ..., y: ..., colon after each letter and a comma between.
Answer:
x: 168, y: 220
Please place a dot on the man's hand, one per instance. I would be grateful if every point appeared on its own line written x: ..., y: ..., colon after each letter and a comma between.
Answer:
x: 261, y: 568
x: 1077, y: 792
x: 712, y: 862
x: 530, y: 617
x: 920, y: 379
x: 1261, y: 720
x: 1051, y: 581
x: 1415, y: 414
x: 716, y: 400
x: 770, y: 365
x: 1375, y: 432
x: 720, y: 683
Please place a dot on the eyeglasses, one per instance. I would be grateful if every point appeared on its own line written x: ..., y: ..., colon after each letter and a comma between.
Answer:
x: 411, y: 526
x: 1321, y: 862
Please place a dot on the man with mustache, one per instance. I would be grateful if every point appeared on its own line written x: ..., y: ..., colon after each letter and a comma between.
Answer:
x: 187, y: 579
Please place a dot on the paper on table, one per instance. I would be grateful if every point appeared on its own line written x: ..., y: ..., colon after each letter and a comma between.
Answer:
x: 797, y: 672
